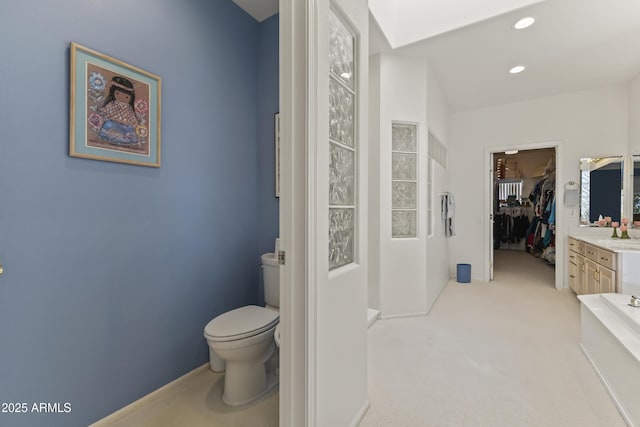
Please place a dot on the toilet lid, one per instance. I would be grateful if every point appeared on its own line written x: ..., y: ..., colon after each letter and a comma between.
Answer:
x: 242, y: 322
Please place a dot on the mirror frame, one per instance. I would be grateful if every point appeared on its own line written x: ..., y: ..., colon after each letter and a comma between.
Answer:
x: 623, y: 186
x: 630, y: 193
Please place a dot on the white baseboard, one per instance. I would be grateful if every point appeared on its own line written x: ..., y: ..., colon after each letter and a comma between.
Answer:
x: 400, y: 316
x: 360, y: 415
x: 372, y: 316
x: 149, y: 398
x: 442, y: 288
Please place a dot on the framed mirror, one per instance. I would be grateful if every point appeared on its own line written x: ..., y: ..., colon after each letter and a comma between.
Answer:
x: 601, y: 189
x: 636, y: 187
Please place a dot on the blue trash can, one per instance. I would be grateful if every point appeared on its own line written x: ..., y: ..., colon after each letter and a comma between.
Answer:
x: 463, y: 273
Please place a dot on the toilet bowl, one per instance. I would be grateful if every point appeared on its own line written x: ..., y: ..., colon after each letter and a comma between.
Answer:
x: 241, y: 343
x: 243, y: 338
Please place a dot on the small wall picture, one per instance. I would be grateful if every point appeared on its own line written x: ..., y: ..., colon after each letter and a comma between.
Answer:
x: 115, y: 110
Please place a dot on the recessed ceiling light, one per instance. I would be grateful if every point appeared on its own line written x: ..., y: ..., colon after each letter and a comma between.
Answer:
x: 517, y: 69
x: 511, y: 152
x: 524, y: 23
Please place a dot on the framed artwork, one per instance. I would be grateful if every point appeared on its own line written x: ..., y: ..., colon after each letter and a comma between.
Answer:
x: 115, y: 110
x: 277, y: 151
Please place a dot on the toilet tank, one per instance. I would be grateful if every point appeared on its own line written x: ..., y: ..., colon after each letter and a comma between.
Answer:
x: 271, y: 277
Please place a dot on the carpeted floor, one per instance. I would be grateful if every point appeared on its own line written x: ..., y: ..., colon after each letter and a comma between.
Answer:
x: 499, y: 354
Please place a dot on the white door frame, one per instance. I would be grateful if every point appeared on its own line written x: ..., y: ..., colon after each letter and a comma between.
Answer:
x: 561, y: 221
x: 294, y: 166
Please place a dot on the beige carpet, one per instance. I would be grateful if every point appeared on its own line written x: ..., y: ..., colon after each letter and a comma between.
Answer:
x: 499, y: 354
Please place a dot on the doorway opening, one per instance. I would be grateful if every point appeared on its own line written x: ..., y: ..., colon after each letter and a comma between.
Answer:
x: 524, y: 222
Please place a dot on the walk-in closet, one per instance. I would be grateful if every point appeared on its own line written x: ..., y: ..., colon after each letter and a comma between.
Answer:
x: 524, y: 220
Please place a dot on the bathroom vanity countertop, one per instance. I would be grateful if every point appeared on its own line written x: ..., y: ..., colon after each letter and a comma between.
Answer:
x: 615, y: 245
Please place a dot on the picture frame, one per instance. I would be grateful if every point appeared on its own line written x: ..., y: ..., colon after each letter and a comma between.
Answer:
x: 276, y: 127
x: 114, y: 110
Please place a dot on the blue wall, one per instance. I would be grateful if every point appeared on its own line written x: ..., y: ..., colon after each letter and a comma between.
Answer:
x: 268, y: 106
x: 112, y: 270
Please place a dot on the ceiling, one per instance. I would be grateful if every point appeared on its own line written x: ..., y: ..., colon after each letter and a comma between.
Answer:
x: 259, y: 9
x: 574, y: 44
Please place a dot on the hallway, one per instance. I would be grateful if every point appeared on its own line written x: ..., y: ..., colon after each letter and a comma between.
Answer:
x: 498, y: 354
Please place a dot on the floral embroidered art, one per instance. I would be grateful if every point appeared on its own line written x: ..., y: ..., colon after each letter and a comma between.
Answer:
x: 115, y: 122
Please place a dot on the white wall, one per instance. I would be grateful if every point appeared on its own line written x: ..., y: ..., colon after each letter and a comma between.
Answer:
x: 634, y: 116
x: 437, y: 245
x: 634, y: 144
x: 588, y: 123
x: 406, y: 275
x: 403, y: 97
x: 373, y: 296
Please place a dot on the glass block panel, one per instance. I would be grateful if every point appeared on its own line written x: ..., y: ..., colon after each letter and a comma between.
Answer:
x: 404, y: 137
x: 403, y: 224
x: 341, y: 237
x: 341, y: 114
x: 341, y: 52
x: 341, y: 175
x: 403, y: 195
x: 403, y: 166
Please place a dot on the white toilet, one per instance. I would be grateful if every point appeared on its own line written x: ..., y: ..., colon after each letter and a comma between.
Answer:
x: 241, y: 341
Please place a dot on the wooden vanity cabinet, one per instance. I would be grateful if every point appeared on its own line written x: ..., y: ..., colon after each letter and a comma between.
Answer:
x: 576, y: 267
x: 592, y: 270
x: 573, y: 272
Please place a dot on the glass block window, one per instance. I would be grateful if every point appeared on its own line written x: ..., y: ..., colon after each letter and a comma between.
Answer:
x: 404, y: 180
x: 585, y: 202
x: 342, y: 144
x: 437, y: 151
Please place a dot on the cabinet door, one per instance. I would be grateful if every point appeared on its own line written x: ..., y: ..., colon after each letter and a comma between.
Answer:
x: 573, y: 277
x: 581, y: 279
x: 591, y: 277
x: 607, y: 279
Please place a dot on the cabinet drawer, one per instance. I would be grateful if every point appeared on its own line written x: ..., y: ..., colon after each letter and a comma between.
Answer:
x: 607, y: 259
x: 582, y: 248
x: 573, y: 244
x: 592, y: 253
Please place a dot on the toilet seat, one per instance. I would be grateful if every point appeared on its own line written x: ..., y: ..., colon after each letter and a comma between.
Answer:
x: 241, y: 323
x: 276, y: 335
